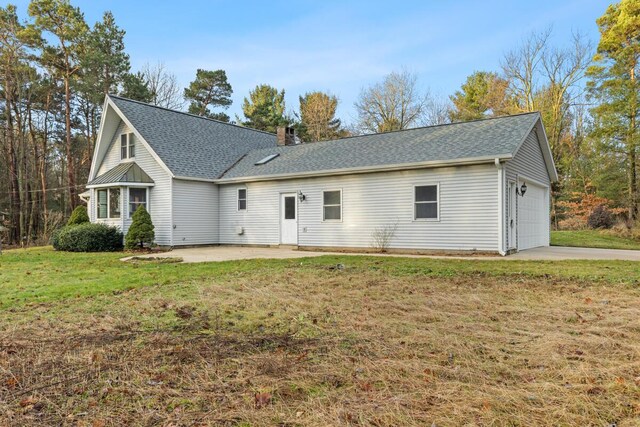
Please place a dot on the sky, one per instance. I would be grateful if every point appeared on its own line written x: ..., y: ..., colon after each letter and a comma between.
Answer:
x: 335, y: 46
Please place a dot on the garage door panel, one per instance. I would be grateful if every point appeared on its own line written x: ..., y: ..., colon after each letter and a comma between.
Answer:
x: 533, y: 218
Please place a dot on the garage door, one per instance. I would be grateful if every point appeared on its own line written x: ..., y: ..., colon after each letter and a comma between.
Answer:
x: 533, y: 217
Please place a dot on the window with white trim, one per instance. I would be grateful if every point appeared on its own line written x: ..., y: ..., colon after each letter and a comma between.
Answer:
x: 332, y: 205
x: 137, y: 198
x: 426, y: 202
x: 242, y: 199
x: 127, y: 146
x: 108, y: 203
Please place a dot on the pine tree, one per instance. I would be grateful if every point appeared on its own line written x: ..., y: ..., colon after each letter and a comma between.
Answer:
x: 483, y: 94
x: 265, y: 109
x: 614, y: 84
x: 135, y: 87
x: 78, y: 216
x: 209, y: 89
x: 141, y: 230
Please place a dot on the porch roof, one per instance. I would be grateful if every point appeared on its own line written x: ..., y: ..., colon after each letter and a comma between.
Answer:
x: 124, y: 173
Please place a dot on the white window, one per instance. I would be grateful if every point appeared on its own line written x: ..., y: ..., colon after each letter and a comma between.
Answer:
x: 332, y: 205
x: 127, y: 146
x: 242, y: 199
x: 109, y: 203
x: 137, y: 198
x: 426, y: 202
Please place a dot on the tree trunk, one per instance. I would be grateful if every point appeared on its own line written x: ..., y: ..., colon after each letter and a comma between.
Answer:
x: 71, y: 175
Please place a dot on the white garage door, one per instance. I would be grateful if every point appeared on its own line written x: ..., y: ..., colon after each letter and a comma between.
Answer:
x: 533, y: 217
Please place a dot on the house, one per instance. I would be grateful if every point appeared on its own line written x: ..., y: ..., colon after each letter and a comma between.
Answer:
x: 473, y: 186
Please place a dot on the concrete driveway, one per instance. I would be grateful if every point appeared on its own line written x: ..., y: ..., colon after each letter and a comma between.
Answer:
x: 560, y: 252
x: 230, y: 253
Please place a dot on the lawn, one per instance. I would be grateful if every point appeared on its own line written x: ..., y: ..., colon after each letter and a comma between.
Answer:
x: 88, y: 340
x: 592, y: 239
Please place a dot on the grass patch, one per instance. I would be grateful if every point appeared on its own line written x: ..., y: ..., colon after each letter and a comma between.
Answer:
x: 88, y: 340
x: 592, y: 239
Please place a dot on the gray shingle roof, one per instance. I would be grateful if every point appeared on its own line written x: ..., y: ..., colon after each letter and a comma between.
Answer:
x: 482, y: 138
x: 192, y: 146
x: 124, y: 172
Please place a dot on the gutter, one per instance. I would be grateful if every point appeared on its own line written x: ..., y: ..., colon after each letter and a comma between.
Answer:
x: 367, y: 169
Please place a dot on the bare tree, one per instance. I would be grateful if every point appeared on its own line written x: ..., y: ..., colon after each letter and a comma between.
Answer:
x: 393, y: 104
x: 163, y: 85
x: 436, y: 111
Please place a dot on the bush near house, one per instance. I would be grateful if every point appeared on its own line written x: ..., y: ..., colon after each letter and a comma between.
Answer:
x: 87, y: 237
x: 600, y: 217
x: 78, y: 216
x: 141, y: 230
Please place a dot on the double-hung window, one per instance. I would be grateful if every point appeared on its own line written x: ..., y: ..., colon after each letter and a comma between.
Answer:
x: 108, y: 203
x: 242, y: 199
x: 137, y: 198
x: 332, y: 205
x: 426, y: 200
x: 127, y: 146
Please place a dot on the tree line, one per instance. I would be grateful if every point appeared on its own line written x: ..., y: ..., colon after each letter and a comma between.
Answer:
x: 55, y: 71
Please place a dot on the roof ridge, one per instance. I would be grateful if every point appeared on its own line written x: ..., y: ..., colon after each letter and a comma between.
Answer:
x: 146, y: 104
x: 432, y: 126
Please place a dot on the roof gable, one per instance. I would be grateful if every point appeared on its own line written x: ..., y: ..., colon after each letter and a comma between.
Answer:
x: 190, y: 146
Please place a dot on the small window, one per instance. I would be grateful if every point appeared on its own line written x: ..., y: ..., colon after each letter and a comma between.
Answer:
x: 242, y: 199
x: 103, y: 207
x: 332, y: 205
x: 123, y: 146
x: 127, y: 146
x: 114, y: 203
x: 132, y: 146
x: 426, y: 202
x: 289, y: 207
x: 137, y: 198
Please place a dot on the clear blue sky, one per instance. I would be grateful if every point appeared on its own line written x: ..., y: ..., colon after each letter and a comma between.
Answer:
x: 335, y: 46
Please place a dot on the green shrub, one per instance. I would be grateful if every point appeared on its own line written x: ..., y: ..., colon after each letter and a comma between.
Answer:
x: 141, y: 230
x: 87, y: 237
x: 78, y: 216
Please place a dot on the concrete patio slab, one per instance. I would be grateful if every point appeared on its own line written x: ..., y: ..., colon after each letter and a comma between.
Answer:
x: 231, y: 253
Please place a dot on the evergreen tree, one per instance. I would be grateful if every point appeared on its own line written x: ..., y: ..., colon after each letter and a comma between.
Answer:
x: 265, y: 109
x: 614, y: 84
x: 318, y: 119
x: 482, y: 95
x: 67, y: 25
x: 78, y: 216
x: 141, y: 230
x: 135, y: 87
x: 209, y: 89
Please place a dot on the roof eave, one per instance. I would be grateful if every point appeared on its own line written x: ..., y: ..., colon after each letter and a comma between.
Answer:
x: 369, y: 169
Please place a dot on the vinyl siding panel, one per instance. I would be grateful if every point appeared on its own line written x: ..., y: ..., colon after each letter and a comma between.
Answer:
x: 468, y: 210
x: 528, y: 162
x: 159, y: 196
x: 195, y: 213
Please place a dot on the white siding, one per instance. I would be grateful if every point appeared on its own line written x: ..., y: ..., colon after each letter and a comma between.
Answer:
x: 195, y: 213
x: 159, y: 196
x: 468, y: 210
x: 528, y: 162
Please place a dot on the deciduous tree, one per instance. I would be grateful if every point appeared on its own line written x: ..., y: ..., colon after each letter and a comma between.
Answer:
x: 318, y: 121
x: 614, y: 86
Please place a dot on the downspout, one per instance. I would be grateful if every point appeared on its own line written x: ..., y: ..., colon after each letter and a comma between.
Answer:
x: 501, y: 219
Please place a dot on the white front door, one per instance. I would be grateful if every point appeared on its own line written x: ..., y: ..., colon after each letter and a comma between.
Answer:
x: 289, y: 219
x: 511, y: 215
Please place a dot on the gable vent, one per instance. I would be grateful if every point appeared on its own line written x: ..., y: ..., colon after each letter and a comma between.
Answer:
x: 266, y: 159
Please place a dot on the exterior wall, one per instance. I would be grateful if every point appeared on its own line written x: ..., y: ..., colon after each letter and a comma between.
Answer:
x: 159, y: 196
x: 195, y: 213
x: 529, y: 163
x: 468, y: 210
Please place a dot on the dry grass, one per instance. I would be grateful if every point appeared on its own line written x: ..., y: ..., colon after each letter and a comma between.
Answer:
x: 317, y: 346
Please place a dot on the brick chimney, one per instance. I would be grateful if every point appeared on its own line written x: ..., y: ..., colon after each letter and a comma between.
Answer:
x: 286, y: 136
